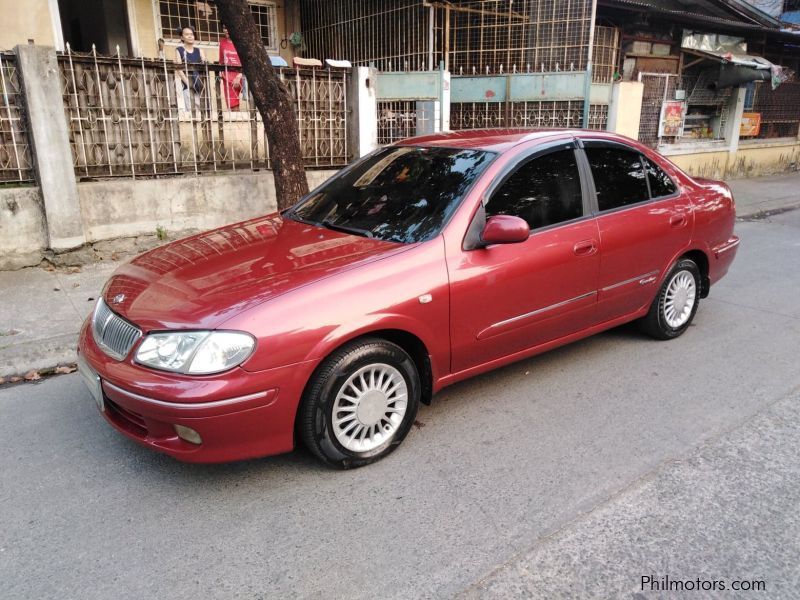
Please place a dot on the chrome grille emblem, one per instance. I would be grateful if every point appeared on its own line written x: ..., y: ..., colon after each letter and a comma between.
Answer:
x: 118, y: 299
x: 114, y: 335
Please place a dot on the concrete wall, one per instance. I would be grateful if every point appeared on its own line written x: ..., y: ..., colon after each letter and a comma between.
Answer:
x: 764, y: 157
x: 25, y: 20
x: 621, y: 119
x: 127, y: 207
x: 123, y: 208
x: 23, y: 236
x: 702, y: 164
x: 753, y: 158
x: 140, y: 12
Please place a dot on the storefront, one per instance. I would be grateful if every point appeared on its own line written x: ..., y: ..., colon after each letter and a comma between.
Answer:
x: 719, y: 94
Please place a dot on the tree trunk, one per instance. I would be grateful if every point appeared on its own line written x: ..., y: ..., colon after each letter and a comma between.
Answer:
x: 273, y: 99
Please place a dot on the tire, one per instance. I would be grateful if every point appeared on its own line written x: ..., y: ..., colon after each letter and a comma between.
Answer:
x: 675, y: 305
x: 360, y: 403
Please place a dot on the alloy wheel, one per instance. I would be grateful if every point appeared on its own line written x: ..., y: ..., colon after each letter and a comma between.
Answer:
x: 679, y: 299
x: 369, y: 407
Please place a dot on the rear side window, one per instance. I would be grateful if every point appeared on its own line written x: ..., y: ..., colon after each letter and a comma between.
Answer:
x: 660, y: 183
x: 544, y: 191
x: 618, y: 177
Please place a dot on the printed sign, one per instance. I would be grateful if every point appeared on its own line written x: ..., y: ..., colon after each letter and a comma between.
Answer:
x: 671, y: 121
x: 751, y: 125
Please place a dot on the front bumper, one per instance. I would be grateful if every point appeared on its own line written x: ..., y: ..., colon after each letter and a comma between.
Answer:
x: 238, y: 414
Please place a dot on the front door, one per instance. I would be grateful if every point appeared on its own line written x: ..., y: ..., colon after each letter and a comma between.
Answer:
x: 508, y: 298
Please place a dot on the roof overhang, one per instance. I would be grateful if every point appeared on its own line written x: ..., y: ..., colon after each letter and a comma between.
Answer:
x: 736, y: 70
x: 737, y: 67
x: 697, y: 20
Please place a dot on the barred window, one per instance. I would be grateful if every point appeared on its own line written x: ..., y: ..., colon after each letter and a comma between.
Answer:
x: 202, y: 15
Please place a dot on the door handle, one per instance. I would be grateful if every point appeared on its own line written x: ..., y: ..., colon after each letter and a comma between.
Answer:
x: 585, y: 248
x: 678, y: 220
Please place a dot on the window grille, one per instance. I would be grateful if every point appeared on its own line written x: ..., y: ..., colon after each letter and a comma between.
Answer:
x: 203, y: 16
x: 606, y: 50
x: 531, y: 114
x: 400, y: 119
x: 469, y: 36
x: 779, y: 109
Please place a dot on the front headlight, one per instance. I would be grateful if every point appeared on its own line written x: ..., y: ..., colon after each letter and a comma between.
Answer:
x: 195, y: 352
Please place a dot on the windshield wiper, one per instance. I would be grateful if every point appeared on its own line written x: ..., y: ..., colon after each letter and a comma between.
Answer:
x: 344, y: 229
x: 290, y: 214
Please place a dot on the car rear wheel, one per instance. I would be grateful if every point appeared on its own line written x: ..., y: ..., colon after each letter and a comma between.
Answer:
x: 360, y: 403
x: 676, y: 303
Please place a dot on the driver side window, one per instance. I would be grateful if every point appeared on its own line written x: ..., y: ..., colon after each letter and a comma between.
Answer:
x: 544, y: 191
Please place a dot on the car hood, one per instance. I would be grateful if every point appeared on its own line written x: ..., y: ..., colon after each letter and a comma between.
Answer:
x: 203, y: 280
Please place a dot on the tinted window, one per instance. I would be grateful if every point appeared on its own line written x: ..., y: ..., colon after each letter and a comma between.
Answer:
x: 545, y: 191
x: 400, y: 194
x: 618, y: 177
x: 660, y: 183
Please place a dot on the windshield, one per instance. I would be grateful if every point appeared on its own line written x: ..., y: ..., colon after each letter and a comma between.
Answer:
x: 399, y: 194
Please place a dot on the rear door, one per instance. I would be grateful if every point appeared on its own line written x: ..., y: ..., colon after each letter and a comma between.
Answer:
x: 506, y: 298
x: 643, y: 222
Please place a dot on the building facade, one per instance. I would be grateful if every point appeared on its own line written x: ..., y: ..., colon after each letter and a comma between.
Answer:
x: 136, y: 26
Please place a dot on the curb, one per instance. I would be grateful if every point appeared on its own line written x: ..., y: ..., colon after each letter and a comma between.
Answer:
x: 38, y: 355
x: 759, y: 215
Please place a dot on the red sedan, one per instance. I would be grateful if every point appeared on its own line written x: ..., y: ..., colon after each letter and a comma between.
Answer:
x: 420, y: 265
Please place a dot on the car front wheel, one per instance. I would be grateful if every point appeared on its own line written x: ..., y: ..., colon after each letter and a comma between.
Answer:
x: 676, y: 303
x: 360, y: 403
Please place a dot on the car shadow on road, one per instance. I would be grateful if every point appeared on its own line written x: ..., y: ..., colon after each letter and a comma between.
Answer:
x: 562, y: 356
x: 300, y: 461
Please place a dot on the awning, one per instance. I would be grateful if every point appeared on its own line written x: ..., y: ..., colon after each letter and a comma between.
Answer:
x: 738, y: 67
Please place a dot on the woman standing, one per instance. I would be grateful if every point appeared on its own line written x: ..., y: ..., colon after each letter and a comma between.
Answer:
x: 231, y: 77
x: 186, y: 54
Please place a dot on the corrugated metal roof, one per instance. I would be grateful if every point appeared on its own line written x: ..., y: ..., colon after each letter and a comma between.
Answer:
x: 703, y: 8
x: 666, y: 8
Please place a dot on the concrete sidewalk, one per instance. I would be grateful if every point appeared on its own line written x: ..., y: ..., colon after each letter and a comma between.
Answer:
x: 41, y: 310
x: 761, y: 196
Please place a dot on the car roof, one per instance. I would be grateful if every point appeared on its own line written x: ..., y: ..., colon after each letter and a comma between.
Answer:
x: 500, y: 140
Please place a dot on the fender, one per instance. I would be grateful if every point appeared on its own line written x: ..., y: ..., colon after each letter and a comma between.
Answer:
x: 439, y: 353
x: 693, y: 246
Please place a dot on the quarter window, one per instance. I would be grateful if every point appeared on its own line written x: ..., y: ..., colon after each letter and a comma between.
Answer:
x: 203, y: 16
x: 545, y: 191
x: 619, y: 178
x: 660, y: 183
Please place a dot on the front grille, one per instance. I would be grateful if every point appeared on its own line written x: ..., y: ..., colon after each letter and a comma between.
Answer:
x: 113, y: 334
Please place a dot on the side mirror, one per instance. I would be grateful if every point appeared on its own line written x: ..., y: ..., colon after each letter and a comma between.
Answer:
x: 505, y: 229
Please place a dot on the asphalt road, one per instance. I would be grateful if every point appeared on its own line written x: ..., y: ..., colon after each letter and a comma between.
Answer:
x: 565, y: 475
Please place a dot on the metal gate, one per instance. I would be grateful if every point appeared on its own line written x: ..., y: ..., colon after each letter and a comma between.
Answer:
x: 658, y: 88
x: 412, y: 103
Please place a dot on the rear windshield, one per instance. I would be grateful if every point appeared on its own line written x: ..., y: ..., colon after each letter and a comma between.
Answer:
x: 399, y: 194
